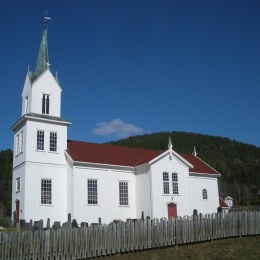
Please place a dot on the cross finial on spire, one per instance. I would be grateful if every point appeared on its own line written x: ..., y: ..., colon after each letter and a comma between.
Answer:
x: 46, y: 18
x: 194, y: 151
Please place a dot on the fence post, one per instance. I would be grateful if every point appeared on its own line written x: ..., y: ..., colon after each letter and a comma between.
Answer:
x: 48, y: 223
x: 17, y: 227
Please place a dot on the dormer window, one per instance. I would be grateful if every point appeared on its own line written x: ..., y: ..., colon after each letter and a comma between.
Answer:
x: 45, y: 104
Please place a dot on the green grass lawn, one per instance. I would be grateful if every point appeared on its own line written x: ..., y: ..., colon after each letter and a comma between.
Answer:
x: 230, y: 248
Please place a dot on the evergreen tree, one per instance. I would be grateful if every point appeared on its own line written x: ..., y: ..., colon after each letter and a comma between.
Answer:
x: 6, y: 159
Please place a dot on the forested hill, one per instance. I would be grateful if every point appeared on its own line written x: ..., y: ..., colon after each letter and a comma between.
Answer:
x: 238, y: 163
x: 6, y: 164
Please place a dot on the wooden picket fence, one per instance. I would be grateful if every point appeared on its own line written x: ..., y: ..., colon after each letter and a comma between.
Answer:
x: 123, y: 237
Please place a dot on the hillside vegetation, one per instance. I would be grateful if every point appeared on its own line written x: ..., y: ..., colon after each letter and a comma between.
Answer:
x: 238, y: 163
x: 6, y: 160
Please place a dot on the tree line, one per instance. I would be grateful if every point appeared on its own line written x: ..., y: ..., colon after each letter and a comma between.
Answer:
x: 6, y: 164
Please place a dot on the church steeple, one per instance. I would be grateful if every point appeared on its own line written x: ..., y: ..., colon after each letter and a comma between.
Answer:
x: 42, y: 91
x: 43, y: 57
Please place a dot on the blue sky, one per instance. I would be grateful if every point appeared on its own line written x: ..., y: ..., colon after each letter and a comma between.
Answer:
x: 136, y: 67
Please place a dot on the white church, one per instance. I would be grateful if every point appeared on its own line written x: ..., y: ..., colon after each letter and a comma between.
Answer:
x: 54, y: 176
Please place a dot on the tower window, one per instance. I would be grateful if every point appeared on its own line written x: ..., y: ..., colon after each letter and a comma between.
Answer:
x: 40, y: 140
x: 18, y: 184
x: 17, y: 144
x: 53, y: 141
x: 45, y: 104
x: 21, y: 142
x: 26, y: 105
x: 46, y: 191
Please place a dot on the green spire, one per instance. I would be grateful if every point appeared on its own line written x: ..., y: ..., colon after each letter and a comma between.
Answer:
x: 43, y: 57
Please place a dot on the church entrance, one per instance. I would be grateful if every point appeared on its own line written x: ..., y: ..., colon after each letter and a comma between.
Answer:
x: 172, y: 210
x: 17, y: 211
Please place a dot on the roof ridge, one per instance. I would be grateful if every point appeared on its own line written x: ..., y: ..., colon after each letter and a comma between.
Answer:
x: 115, y: 145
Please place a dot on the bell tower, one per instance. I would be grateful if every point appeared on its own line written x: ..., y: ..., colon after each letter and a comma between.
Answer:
x: 40, y: 141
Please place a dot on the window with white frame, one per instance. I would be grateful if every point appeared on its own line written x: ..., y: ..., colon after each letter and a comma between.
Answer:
x: 46, y: 191
x: 123, y: 193
x: 204, y: 194
x: 92, y: 191
x: 45, y: 104
x: 26, y: 105
x: 21, y: 142
x: 53, y: 141
x: 166, y: 186
x: 18, y: 184
x: 175, y: 188
x: 17, y: 144
x: 40, y: 140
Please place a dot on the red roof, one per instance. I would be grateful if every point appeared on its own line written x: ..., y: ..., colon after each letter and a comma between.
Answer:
x: 125, y: 156
x: 199, y: 166
x: 110, y: 154
x: 222, y: 203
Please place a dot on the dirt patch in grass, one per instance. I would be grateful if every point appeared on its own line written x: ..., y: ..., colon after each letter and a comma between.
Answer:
x: 231, y: 248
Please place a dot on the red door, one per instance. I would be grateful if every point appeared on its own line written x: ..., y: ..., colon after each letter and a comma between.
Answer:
x: 17, y: 211
x: 172, y: 210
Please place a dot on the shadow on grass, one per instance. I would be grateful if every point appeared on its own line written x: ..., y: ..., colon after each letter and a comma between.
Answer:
x: 229, y: 248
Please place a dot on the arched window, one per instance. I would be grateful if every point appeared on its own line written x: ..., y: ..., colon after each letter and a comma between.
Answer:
x: 166, y: 189
x: 204, y: 194
x: 175, y: 189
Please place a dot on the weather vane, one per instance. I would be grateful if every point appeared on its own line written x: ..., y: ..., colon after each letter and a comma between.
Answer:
x: 46, y: 17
